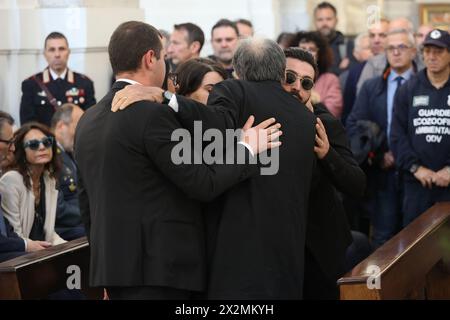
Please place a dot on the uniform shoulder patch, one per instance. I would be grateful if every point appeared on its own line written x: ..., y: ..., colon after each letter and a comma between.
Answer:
x: 421, y: 101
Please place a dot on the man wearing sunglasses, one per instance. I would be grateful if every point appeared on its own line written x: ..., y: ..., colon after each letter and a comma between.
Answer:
x: 375, y: 103
x: 327, y: 232
x: 11, y: 245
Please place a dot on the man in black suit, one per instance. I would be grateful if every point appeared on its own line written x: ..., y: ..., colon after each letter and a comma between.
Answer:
x: 44, y: 92
x: 146, y: 236
x: 327, y: 234
x: 256, y: 230
x: 68, y: 222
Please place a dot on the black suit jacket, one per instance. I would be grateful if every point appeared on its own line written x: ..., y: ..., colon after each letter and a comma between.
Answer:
x: 68, y: 209
x: 144, y: 223
x: 10, y: 242
x: 328, y: 233
x: 35, y: 105
x: 257, y: 229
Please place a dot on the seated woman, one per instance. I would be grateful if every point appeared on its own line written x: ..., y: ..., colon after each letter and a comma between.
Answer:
x: 195, y: 78
x: 29, y: 193
x: 327, y: 88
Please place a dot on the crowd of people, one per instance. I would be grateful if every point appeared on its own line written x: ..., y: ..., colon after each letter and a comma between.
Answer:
x: 357, y: 129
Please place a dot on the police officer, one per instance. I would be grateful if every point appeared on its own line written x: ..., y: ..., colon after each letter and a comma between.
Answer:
x: 45, y: 92
x: 68, y: 217
x: 420, y: 132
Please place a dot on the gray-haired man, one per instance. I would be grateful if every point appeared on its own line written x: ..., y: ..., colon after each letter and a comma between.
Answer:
x: 256, y: 231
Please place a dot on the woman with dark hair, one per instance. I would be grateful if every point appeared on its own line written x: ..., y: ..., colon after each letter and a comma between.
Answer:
x: 327, y: 87
x: 29, y: 193
x: 194, y: 79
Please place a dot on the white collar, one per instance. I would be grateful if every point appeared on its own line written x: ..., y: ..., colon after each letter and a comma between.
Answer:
x: 55, y: 75
x: 128, y: 81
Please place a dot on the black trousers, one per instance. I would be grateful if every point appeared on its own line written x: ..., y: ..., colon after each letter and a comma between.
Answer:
x: 317, y: 284
x: 148, y: 293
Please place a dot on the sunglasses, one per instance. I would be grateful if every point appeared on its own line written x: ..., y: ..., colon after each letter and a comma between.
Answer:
x: 174, y: 77
x: 47, y: 142
x: 306, y: 82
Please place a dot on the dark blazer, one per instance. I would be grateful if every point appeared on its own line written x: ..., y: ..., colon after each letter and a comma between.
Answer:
x: 10, y: 243
x: 328, y: 233
x: 144, y: 223
x: 68, y: 209
x: 371, y: 104
x: 257, y: 228
x: 35, y: 105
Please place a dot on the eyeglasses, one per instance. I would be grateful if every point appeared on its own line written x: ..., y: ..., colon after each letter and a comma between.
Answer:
x: 8, y: 142
x: 401, y: 48
x: 47, y: 142
x: 174, y: 77
x: 306, y: 82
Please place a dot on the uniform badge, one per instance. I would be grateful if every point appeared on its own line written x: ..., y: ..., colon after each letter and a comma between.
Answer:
x: 82, y: 100
x: 435, y: 34
x: 74, y: 92
x: 42, y: 94
x: 72, y: 187
x: 421, y: 101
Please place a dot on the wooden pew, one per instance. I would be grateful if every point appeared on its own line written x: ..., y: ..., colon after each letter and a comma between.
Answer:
x: 412, y: 265
x: 36, y: 275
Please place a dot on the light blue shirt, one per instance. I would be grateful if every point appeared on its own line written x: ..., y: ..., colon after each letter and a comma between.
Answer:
x: 391, y: 89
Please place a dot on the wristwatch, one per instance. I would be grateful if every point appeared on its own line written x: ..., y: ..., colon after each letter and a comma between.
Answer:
x: 167, y: 95
x: 414, y: 168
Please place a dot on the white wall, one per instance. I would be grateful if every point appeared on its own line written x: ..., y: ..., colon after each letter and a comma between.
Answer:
x: 25, y: 24
x: 163, y: 15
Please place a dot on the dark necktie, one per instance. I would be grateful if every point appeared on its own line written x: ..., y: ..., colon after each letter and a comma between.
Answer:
x: 399, y: 80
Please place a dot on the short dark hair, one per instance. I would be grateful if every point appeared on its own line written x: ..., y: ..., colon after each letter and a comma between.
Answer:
x: 130, y: 42
x: 325, y: 54
x: 20, y: 159
x: 246, y: 22
x: 190, y: 74
x: 302, y: 55
x: 195, y: 33
x: 325, y: 5
x: 5, y: 118
x: 55, y: 35
x: 225, y: 23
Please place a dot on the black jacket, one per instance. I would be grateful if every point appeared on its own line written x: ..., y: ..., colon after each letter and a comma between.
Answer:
x: 257, y: 228
x: 144, y: 223
x: 9, y: 242
x: 328, y: 233
x: 35, y: 105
